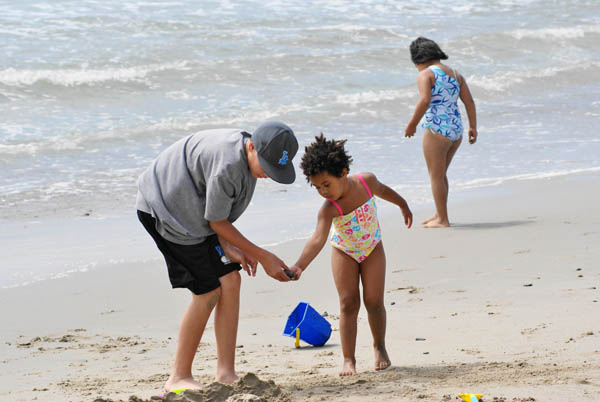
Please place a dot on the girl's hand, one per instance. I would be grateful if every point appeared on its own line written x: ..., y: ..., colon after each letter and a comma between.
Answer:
x: 408, y: 217
x: 472, y: 135
x: 297, y: 271
x: 410, y: 130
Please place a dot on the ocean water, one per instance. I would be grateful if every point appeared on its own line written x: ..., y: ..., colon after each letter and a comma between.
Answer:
x: 92, y: 91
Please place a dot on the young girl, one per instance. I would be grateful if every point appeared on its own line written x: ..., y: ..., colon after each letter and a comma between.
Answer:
x: 439, y: 89
x: 357, y: 254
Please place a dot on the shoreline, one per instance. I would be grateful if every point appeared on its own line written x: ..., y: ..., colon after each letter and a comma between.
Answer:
x: 109, y: 226
x: 507, y: 301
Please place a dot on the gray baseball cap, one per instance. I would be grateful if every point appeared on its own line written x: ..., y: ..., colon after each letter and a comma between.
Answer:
x: 276, y: 146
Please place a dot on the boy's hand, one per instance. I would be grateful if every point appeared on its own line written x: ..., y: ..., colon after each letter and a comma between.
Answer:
x: 274, y: 267
x: 408, y: 218
x: 296, y: 271
x: 247, y: 262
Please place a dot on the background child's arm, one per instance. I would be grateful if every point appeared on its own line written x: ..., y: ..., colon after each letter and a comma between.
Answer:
x: 424, y: 85
x: 467, y: 100
x: 316, y: 242
x: 384, y: 192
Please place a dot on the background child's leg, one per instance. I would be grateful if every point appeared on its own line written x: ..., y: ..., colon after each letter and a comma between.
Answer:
x: 345, y: 276
x: 438, y: 151
x: 191, y: 329
x: 372, y: 275
x: 226, y: 326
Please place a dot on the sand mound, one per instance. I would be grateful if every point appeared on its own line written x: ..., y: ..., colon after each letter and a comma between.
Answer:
x: 249, y: 388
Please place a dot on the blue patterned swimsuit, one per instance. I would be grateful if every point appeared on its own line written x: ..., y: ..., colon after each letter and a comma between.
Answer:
x: 443, y: 115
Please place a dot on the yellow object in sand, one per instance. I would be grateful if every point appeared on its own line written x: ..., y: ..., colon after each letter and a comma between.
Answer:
x: 470, y: 397
x: 297, y: 337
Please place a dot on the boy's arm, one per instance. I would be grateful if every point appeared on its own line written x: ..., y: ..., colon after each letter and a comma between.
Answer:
x: 424, y: 86
x: 467, y: 100
x: 316, y: 242
x: 272, y: 264
x: 390, y: 195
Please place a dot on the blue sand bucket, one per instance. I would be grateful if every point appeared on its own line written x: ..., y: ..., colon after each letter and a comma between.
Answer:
x: 314, y: 329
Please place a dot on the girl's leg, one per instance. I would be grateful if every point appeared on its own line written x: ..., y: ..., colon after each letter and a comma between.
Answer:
x: 449, y: 157
x: 345, y: 276
x: 226, y: 326
x: 372, y: 274
x: 438, y: 151
x: 191, y: 329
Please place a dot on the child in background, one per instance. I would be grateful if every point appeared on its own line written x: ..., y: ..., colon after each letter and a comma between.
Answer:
x: 357, y: 254
x: 439, y: 89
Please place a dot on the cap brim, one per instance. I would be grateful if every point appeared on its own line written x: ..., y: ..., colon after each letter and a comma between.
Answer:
x: 281, y: 174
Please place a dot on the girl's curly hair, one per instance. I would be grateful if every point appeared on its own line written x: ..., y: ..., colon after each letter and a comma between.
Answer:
x: 324, y: 155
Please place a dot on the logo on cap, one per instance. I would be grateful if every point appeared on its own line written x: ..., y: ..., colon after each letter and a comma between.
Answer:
x: 284, y: 158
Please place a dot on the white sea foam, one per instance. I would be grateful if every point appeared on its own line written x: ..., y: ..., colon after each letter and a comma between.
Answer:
x: 552, y: 34
x: 52, y: 144
x: 85, y: 76
x: 374, y: 96
x: 495, y: 181
x: 183, y: 94
x: 504, y: 80
x: 29, y: 278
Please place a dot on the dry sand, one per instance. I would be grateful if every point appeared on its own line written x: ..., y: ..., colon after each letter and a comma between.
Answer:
x: 505, y: 303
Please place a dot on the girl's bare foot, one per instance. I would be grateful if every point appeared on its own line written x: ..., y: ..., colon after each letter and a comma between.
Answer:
x: 349, y: 368
x: 382, y: 360
x: 436, y: 223
x: 178, y: 383
x: 431, y: 218
x: 226, y: 378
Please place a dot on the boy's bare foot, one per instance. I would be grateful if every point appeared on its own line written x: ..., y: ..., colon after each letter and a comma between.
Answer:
x: 431, y: 218
x: 227, y: 378
x: 349, y: 368
x: 382, y: 360
x: 178, y: 383
x: 436, y: 223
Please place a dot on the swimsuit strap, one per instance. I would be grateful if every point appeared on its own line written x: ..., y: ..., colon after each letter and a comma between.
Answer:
x: 437, y: 68
x: 364, y: 183
x: 432, y: 68
x: 337, y: 206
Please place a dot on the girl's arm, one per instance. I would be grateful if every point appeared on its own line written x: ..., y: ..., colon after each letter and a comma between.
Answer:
x: 387, y: 193
x: 467, y: 100
x: 316, y: 242
x: 424, y: 83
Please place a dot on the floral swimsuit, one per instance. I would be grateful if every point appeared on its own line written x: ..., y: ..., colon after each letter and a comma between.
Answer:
x: 443, y: 115
x: 356, y: 233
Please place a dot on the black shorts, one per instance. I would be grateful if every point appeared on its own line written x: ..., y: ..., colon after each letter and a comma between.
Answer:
x: 196, y: 267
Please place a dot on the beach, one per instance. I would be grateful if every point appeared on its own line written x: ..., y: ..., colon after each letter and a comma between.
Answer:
x: 504, y: 303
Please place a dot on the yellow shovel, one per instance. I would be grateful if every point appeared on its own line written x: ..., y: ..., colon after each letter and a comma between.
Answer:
x: 470, y: 397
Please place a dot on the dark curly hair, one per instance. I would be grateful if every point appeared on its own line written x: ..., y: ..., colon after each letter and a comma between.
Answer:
x: 423, y: 50
x: 324, y: 155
